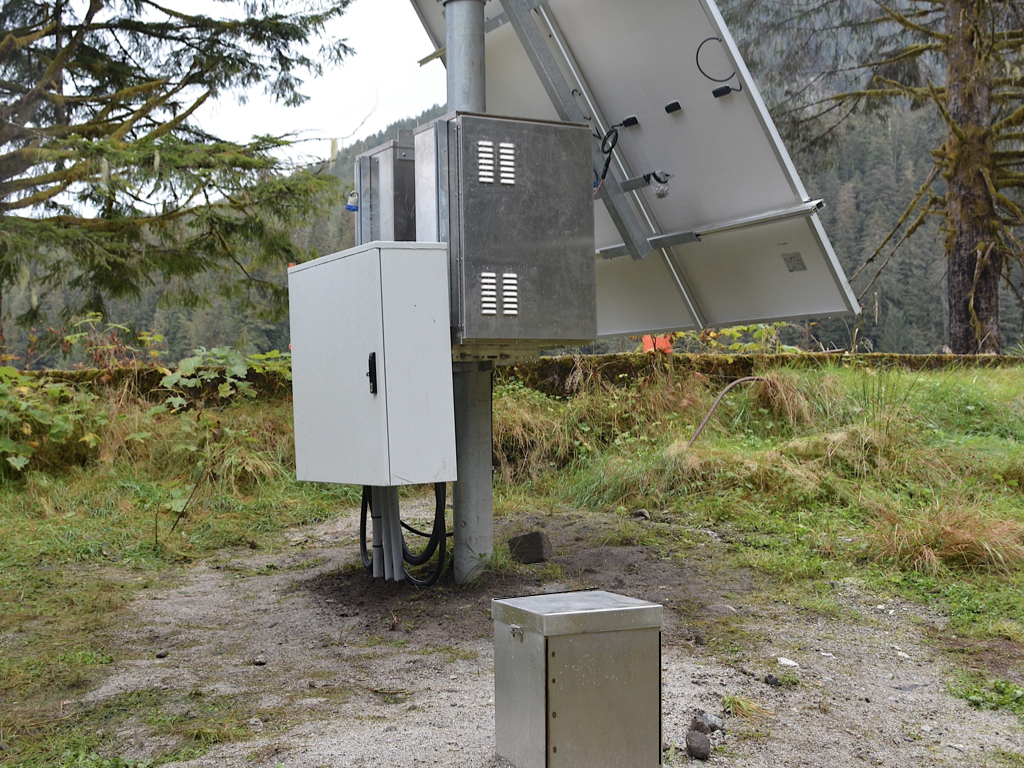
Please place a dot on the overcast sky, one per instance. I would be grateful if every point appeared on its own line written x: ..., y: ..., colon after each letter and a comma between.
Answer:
x: 379, y: 84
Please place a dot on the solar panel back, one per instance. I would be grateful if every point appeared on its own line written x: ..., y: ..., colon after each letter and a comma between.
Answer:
x: 742, y: 242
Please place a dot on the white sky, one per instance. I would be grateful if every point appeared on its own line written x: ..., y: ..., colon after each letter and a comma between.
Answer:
x: 380, y: 83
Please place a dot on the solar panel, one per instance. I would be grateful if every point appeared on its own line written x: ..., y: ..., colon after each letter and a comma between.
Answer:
x: 723, y: 229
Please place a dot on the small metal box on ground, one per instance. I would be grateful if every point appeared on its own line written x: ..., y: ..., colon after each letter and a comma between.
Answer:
x: 577, y: 681
x: 371, y: 366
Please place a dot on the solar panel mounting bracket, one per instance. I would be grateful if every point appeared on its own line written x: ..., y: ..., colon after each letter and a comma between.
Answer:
x: 561, y: 95
x: 681, y: 238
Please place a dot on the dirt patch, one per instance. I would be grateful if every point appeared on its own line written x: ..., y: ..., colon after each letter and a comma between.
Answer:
x: 324, y: 666
x: 1001, y: 658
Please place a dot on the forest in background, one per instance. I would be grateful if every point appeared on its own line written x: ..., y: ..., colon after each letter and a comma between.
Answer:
x: 866, y: 180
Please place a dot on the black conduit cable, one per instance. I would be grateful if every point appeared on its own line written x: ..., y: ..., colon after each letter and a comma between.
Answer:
x: 438, y: 540
x: 707, y: 418
x: 363, y: 554
x: 439, y: 498
x: 418, y: 532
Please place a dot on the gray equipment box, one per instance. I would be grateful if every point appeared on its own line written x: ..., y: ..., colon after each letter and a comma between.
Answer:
x: 577, y: 681
x: 386, y: 187
x: 515, y: 201
x: 371, y: 366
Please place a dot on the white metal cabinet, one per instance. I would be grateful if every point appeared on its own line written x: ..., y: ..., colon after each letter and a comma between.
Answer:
x: 389, y: 300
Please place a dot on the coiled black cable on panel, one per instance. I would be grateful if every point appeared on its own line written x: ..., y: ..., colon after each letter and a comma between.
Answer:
x: 608, y: 143
x: 724, y: 90
x: 437, y: 539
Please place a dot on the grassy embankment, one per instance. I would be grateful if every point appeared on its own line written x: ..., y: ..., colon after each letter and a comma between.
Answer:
x: 910, y: 481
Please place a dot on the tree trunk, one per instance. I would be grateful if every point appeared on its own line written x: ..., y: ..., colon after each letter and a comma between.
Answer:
x: 975, y: 258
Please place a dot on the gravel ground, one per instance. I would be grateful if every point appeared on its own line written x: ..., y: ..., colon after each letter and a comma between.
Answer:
x: 342, y: 670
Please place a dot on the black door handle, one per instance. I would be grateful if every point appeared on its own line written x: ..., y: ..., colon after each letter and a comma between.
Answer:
x: 371, y: 374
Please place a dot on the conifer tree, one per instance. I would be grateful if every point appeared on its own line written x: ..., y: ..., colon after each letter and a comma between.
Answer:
x: 961, y: 58
x: 106, y: 183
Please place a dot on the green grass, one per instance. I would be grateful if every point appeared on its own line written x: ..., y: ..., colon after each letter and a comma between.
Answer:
x: 80, y: 542
x: 910, y: 482
x: 984, y: 694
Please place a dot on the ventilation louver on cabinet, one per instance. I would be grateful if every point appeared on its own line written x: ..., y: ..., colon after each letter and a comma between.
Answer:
x: 510, y: 293
x: 488, y: 293
x: 507, y: 163
x: 485, y: 161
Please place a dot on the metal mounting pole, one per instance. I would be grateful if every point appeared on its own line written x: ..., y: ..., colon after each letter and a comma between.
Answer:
x: 464, y: 55
x: 472, y: 495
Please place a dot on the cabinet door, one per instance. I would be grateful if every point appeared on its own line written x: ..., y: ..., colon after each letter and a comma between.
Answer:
x: 417, y: 342
x: 336, y: 324
x: 604, y: 706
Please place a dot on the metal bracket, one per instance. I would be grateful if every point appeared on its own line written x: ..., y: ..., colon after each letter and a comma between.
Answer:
x: 517, y: 631
x: 502, y: 18
x: 807, y: 208
x: 558, y: 90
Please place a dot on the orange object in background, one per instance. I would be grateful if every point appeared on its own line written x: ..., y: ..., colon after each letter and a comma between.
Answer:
x: 661, y: 344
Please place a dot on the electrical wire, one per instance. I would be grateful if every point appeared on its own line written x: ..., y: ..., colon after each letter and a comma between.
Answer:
x: 437, y: 538
x: 717, y: 92
x: 608, y: 144
x: 744, y: 380
x: 699, y: 67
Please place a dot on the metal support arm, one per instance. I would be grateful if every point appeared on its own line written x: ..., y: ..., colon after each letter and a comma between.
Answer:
x: 518, y: 12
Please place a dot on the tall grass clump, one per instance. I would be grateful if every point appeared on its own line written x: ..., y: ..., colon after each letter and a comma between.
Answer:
x: 953, y: 532
x: 536, y: 434
x: 531, y: 433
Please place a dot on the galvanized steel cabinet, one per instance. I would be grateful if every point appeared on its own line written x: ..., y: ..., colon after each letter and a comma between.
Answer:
x: 577, y: 681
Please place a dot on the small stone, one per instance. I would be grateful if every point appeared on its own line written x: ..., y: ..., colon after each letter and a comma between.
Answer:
x: 712, y: 721
x: 784, y: 662
x: 772, y: 680
x: 259, y: 661
x: 161, y: 654
x: 698, y: 745
x: 533, y: 547
x: 641, y: 514
x: 903, y: 655
x: 391, y: 729
x: 699, y: 725
x: 255, y: 725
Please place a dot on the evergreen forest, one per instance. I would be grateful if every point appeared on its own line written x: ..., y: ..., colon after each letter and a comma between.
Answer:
x: 866, y: 177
